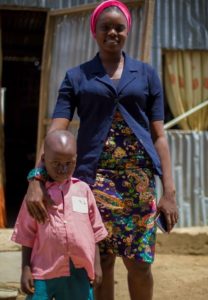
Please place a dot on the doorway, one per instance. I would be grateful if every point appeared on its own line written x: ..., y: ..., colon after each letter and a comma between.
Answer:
x: 22, y: 45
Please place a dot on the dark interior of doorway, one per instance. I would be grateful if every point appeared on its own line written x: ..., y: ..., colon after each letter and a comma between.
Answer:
x: 22, y: 44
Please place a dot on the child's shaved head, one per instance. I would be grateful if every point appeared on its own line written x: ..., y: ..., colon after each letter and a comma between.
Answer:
x: 60, y: 154
x: 58, y: 139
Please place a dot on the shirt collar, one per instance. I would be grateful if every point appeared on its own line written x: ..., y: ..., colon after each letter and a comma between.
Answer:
x: 63, y: 184
x: 97, y: 68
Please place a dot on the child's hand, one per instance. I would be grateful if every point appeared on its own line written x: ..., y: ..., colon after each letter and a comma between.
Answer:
x: 98, y: 275
x: 98, y: 270
x: 27, y: 285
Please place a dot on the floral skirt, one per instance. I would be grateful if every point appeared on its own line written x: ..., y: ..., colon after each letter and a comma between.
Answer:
x: 125, y: 193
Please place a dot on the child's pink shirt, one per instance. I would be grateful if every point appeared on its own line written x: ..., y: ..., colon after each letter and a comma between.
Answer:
x: 75, y: 226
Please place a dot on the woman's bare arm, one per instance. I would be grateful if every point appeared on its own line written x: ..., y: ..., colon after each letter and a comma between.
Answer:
x: 167, y: 202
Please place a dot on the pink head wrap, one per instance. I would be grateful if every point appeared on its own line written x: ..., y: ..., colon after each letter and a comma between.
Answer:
x: 99, y: 9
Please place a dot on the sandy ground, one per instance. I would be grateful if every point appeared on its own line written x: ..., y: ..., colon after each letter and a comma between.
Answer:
x: 177, y: 277
x: 180, y: 269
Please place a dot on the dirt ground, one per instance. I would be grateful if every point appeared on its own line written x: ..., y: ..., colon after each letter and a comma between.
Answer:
x: 180, y: 269
x: 177, y: 277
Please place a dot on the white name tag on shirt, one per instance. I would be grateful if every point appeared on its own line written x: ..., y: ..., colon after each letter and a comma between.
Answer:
x: 80, y: 204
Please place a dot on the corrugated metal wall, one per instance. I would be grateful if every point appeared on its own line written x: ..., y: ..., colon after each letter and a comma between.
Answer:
x: 53, y: 4
x: 179, y: 24
x: 190, y: 170
x: 184, y: 25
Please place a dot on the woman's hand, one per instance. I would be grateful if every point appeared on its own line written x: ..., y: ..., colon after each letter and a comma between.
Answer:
x: 168, y: 206
x: 37, y: 200
x: 27, y: 285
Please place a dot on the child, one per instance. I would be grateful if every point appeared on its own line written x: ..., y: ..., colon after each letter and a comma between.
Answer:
x: 61, y: 257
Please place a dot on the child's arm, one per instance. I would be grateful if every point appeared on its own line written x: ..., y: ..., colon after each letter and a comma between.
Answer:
x: 98, y: 269
x: 27, y: 285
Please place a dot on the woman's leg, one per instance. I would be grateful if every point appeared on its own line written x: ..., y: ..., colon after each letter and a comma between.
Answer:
x: 106, y: 290
x: 140, y: 280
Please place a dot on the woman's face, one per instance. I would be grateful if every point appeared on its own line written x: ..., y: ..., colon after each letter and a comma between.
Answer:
x: 111, y: 31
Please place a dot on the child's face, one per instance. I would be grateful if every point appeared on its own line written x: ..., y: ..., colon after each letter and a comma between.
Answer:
x: 60, y: 164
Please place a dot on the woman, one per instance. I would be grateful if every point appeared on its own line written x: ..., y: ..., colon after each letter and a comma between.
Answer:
x: 121, y: 146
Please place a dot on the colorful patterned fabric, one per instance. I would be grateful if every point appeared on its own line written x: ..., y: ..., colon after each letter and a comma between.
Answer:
x: 125, y: 195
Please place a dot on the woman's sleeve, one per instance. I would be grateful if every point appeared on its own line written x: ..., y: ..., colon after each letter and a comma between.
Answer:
x: 155, y: 109
x: 66, y: 101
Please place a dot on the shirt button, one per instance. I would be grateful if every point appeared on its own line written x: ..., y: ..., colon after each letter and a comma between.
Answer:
x: 65, y: 222
x: 116, y: 100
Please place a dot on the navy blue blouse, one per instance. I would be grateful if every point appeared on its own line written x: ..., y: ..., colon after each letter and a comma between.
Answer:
x: 88, y: 88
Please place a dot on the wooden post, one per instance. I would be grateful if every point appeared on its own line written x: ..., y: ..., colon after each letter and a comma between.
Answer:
x: 146, y: 38
x: 44, y: 85
x: 2, y: 166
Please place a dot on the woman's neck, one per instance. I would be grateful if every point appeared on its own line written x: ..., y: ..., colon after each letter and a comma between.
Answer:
x: 113, y: 65
x: 111, y: 58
